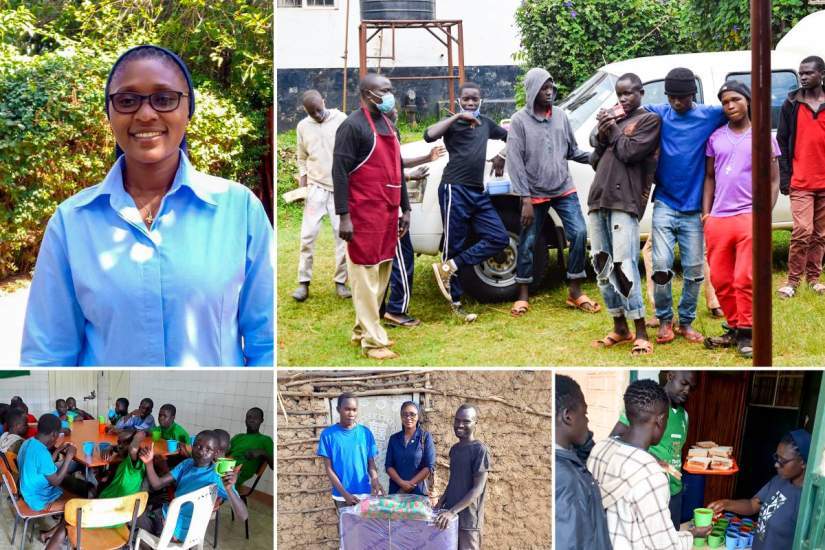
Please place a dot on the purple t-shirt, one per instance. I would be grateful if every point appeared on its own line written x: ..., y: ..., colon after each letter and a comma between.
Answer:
x: 732, y: 162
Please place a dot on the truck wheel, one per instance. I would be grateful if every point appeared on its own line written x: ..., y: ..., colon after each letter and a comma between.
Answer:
x: 494, y: 280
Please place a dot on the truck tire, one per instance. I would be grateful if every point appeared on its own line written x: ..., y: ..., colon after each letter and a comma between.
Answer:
x: 494, y: 280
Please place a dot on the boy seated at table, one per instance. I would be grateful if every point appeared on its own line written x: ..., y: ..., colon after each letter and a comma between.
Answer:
x: 140, y: 419
x: 171, y: 430
x: 121, y: 410
x: 223, y: 442
x: 17, y: 403
x: 16, y: 428
x: 71, y: 404
x: 190, y: 475
x: 251, y: 449
x: 41, y: 478
x: 128, y: 475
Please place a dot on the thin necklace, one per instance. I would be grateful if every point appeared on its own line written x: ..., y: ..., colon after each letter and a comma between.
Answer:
x: 735, y: 143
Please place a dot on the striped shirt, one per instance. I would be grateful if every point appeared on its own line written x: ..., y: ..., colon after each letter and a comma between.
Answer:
x: 635, y: 495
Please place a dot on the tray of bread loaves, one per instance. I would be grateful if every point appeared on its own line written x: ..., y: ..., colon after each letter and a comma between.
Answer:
x: 708, y: 458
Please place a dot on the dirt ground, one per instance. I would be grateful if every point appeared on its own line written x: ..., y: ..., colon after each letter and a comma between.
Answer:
x: 514, y: 422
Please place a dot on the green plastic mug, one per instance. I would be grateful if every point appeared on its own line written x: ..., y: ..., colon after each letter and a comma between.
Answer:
x: 699, y: 543
x: 225, y: 465
x: 716, y: 541
x: 702, y: 517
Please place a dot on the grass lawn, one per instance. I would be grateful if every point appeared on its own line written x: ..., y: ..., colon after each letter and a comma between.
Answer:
x: 317, y: 332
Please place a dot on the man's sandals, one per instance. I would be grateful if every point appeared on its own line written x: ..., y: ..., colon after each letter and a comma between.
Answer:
x: 584, y: 303
x: 667, y: 334
x: 520, y: 307
x: 400, y: 320
x: 641, y: 347
x: 613, y: 339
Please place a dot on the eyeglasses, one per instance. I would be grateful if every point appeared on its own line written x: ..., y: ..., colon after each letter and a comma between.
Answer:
x: 782, y: 461
x: 127, y: 103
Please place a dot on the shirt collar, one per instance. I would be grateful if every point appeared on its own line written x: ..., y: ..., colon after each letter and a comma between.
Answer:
x: 186, y: 175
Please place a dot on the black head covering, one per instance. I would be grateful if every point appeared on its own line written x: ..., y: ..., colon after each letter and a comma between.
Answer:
x: 680, y: 82
x: 735, y: 86
x: 167, y: 53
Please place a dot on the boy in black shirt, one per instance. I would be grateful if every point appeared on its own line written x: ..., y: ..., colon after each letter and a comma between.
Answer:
x: 464, y: 203
x: 464, y: 496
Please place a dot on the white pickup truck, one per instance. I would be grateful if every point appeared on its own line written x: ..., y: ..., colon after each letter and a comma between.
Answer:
x: 494, y: 280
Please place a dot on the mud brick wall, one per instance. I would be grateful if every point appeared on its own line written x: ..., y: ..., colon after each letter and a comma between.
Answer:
x: 514, y: 422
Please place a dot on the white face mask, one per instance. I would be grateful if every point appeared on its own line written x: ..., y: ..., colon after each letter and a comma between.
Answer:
x: 476, y: 113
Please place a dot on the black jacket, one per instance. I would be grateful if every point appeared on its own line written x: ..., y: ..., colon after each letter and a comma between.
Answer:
x: 786, y: 137
x: 580, y: 519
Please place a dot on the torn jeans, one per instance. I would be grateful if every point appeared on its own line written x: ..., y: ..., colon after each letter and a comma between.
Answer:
x: 614, y: 243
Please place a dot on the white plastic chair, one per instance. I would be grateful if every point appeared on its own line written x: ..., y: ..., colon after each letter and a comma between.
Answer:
x: 203, y: 501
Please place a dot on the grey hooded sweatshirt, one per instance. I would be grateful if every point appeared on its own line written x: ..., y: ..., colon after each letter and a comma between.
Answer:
x: 538, y: 146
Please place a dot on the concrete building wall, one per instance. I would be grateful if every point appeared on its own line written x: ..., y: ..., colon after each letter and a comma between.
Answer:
x: 603, y: 391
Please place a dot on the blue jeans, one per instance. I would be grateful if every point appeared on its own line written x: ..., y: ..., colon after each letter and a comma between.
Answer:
x: 575, y: 231
x: 614, y: 248
x: 671, y: 227
x: 467, y: 211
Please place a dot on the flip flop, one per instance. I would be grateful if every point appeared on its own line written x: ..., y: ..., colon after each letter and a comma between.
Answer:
x: 717, y: 313
x: 693, y: 336
x: 613, y: 339
x: 520, y: 307
x: 667, y: 337
x: 402, y: 320
x: 584, y: 303
x: 641, y: 347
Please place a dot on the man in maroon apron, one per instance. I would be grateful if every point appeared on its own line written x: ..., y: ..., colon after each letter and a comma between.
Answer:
x: 368, y: 190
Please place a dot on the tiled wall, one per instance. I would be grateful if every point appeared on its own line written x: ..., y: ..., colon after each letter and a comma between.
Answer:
x: 34, y: 389
x: 603, y: 391
x: 209, y: 399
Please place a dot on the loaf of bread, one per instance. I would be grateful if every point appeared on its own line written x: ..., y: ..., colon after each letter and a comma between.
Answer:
x: 697, y: 451
x: 706, y: 444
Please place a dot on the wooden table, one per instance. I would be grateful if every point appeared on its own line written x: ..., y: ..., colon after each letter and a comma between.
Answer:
x: 87, y: 430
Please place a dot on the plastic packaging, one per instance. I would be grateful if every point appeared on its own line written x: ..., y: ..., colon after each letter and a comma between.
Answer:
x: 395, y: 522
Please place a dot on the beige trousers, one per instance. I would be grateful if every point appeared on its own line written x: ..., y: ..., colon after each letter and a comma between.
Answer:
x: 647, y: 255
x: 320, y: 203
x: 368, y: 284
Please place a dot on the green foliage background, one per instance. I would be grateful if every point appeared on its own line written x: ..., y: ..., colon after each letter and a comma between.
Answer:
x: 54, y: 59
x: 571, y: 38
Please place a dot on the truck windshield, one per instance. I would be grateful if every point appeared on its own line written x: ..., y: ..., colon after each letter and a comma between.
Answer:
x: 588, y: 98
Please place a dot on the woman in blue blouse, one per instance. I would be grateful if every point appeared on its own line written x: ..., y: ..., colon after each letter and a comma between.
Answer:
x: 410, y: 455
x: 158, y: 264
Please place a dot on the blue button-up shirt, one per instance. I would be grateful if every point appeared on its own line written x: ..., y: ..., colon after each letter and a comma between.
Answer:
x: 410, y: 458
x: 136, y: 422
x: 195, y: 289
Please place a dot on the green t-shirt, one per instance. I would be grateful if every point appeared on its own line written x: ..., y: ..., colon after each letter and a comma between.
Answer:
x: 669, y: 449
x: 249, y: 442
x: 175, y: 432
x: 128, y: 479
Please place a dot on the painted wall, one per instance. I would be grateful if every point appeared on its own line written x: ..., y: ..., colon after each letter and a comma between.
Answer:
x: 314, y: 37
x: 490, y: 41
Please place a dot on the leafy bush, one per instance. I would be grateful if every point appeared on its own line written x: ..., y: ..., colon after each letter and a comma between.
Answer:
x: 573, y: 38
x: 55, y: 140
x: 722, y: 25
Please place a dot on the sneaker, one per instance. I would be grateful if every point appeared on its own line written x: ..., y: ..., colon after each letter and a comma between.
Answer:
x: 342, y: 291
x: 459, y: 311
x: 744, y: 343
x: 443, y: 273
x: 301, y: 293
x: 726, y: 340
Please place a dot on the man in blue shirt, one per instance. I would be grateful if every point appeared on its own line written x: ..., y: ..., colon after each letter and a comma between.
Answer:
x: 139, y: 420
x: 41, y: 478
x: 349, y: 452
x: 677, y: 201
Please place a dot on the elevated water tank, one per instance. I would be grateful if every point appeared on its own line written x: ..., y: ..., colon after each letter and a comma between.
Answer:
x: 397, y: 10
